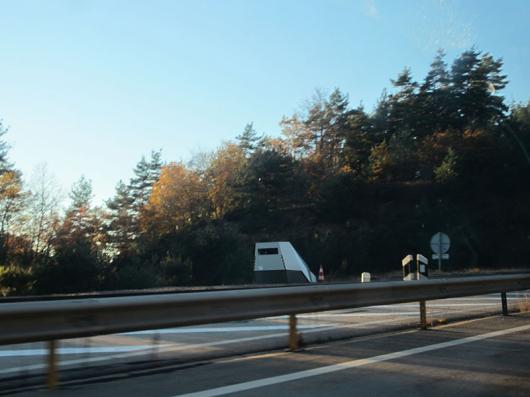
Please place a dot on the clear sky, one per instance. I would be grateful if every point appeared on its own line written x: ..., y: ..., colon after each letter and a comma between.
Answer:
x: 90, y: 86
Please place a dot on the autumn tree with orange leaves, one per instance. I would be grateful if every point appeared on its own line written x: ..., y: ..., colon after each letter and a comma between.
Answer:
x: 178, y: 198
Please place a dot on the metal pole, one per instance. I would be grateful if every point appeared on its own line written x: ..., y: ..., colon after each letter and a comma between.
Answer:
x: 504, y: 304
x: 440, y: 252
x: 87, y: 349
x: 52, y: 365
x: 423, y: 315
x: 293, y: 334
x: 155, y: 342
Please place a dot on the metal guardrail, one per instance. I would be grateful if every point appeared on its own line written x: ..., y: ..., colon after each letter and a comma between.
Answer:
x: 134, y: 292
x: 49, y: 320
x: 22, y: 322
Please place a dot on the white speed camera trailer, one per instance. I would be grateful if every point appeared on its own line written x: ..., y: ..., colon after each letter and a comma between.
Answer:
x: 278, y: 262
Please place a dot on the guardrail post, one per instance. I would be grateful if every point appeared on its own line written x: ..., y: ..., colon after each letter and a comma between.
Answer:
x: 504, y: 304
x: 293, y: 333
x: 423, y: 315
x: 51, y: 378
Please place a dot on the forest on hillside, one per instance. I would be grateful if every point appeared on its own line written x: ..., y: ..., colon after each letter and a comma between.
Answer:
x: 353, y: 190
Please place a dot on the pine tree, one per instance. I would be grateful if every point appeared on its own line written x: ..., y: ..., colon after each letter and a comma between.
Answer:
x: 128, y: 206
x: 319, y: 132
x: 81, y: 194
x: 359, y: 139
x: 146, y: 173
x: 122, y: 224
x: 249, y: 139
x: 271, y: 181
x: 403, y: 115
x: 80, y: 218
x: 475, y: 80
x: 434, y: 97
x: 438, y: 76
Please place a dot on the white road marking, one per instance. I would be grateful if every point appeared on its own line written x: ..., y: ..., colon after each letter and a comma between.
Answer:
x: 440, y: 304
x: 248, y: 328
x: 365, y: 312
x: 134, y: 350
x: 74, y: 350
x: 322, y: 315
x: 180, y: 347
x: 358, y: 314
x: 221, y: 391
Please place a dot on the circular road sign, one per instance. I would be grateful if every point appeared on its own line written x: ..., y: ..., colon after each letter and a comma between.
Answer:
x: 440, y: 243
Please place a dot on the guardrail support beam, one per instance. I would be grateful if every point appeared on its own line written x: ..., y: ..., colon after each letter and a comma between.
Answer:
x: 293, y: 333
x: 52, y: 378
x: 504, y: 301
x: 423, y: 315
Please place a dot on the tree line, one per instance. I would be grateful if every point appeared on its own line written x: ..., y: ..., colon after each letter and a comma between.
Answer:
x: 353, y: 190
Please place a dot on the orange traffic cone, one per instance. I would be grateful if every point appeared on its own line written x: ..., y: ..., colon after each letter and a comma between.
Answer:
x: 321, y: 274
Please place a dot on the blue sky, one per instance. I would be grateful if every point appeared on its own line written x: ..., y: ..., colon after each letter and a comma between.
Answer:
x: 88, y: 87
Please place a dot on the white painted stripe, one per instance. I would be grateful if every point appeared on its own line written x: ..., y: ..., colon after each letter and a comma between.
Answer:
x: 368, y: 312
x: 355, y: 325
x: 440, y: 304
x: 274, y: 380
x: 182, y: 347
x: 359, y: 314
x: 74, y: 350
x: 323, y: 315
x: 247, y: 328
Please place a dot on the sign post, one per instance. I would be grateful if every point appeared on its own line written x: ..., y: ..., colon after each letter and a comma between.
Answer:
x: 440, y: 244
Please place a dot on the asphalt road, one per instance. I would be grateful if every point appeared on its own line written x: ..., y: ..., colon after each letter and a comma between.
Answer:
x: 122, y: 352
x: 481, y: 357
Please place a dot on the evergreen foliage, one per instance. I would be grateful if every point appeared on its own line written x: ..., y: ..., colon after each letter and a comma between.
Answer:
x: 352, y: 189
